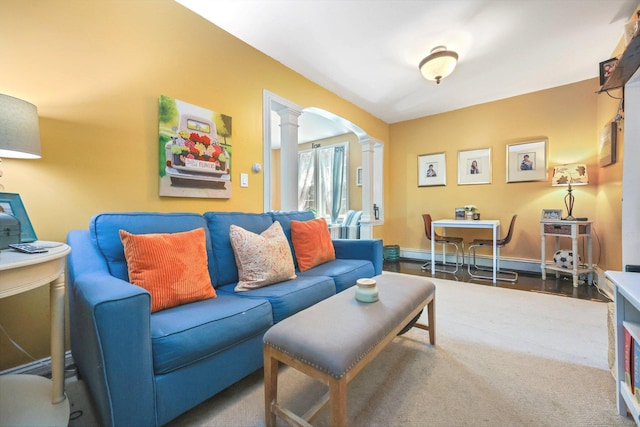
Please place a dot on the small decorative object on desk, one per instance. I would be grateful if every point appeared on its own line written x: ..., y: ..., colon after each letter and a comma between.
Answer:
x: 366, y: 290
x: 476, y: 216
x: 469, y: 210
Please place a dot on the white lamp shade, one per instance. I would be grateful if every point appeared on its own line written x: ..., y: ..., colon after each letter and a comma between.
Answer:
x: 574, y: 174
x: 19, y: 130
x: 439, y: 64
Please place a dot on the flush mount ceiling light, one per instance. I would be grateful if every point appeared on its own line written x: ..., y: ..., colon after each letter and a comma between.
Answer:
x: 439, y: 64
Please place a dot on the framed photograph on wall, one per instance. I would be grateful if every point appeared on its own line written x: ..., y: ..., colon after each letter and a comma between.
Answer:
x: 474, y: 166
x: 359, y: 176
x: 607, y: 149
x: 432, y: 169
x: 527, y: 161
x: 606, y: 68
x: 11, y: 203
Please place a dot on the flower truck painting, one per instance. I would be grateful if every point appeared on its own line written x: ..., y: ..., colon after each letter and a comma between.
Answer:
x: 195, y: 151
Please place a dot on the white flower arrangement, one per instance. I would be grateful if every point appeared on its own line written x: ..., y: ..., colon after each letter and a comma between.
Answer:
x: 470, y: 208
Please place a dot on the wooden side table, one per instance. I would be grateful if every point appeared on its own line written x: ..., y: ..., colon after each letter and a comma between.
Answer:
x: 30, y: 400
x: 572, y: 230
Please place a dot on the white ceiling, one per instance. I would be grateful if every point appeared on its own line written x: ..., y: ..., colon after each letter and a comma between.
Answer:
x: 367, y: 51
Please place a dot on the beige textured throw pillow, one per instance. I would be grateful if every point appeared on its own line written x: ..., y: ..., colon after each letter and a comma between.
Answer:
x: 262, y: 259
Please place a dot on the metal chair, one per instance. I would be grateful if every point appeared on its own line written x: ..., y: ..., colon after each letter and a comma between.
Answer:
x: 513, y: 276
x: 457, y: 242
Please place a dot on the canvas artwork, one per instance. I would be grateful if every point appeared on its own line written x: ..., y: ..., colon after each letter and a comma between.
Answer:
x: 195, y: 150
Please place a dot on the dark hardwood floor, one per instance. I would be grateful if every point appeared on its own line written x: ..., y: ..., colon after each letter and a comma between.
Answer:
x: 526, y: 281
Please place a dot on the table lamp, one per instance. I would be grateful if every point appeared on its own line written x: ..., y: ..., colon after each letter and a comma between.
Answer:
x: 568, y: 175
x: 19, y: 130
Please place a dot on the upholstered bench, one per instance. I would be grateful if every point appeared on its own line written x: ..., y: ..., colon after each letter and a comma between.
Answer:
x: 333, y: 340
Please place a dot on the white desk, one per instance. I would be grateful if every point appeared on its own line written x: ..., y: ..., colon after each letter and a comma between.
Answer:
x: 493, y: 224
x: 29, y: 399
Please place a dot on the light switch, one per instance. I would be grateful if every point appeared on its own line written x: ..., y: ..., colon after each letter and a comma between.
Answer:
x: 244, y: 180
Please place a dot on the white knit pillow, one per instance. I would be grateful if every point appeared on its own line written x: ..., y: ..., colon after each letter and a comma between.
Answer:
x: 262, y: 259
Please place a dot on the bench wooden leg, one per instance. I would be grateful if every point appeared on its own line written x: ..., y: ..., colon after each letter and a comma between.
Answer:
x: 431, y: 318
x: 338, y: 401
x: 431, y: 309
x: 270, y: 386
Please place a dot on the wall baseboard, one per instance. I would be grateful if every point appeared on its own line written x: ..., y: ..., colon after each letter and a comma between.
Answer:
x: 518, y: 264
x: 40, y: 367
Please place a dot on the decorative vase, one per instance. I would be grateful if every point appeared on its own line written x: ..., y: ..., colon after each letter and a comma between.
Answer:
x: 468, y: 215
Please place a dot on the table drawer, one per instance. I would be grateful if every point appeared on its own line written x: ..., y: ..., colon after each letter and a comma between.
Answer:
x: 563, y: 229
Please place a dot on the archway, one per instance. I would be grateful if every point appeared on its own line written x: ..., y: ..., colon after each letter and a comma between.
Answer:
x: 281, y: 179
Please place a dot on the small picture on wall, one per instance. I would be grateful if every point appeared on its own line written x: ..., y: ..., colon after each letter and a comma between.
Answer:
x: 432, y: 170
x: 527, y: 161
x: 474, y: 166
x: 606, y: 68
x: 608, y: 138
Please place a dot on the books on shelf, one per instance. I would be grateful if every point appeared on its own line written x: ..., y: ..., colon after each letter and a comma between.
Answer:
x: 629, y: 358
x: 636, y: 371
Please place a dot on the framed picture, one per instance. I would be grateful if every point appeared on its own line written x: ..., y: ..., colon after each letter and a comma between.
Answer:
x: 359, y: 176
x: 606, y: 68
x: 527, y: 161
x: 11, y: 203
x: 459, y: 213
x: 474, y: 166
x: 553, y: 214
x: 607, y: 149
x: 432, y: 169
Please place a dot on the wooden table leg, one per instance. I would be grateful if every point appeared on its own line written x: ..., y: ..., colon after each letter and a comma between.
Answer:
x: 270, y: 386
x: 338, y: 401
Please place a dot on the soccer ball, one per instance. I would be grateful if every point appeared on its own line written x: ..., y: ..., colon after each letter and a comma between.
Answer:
x: 564, y: 258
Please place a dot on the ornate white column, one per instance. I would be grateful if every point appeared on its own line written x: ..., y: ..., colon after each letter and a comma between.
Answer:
x: 289, y: 158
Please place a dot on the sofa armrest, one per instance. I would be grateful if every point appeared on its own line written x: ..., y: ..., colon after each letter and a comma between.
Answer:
x: 110, y: 337
x: 369, y: 249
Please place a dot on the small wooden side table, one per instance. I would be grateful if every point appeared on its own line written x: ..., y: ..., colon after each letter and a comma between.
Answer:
x: 31, y: 400
x: 572, y: 230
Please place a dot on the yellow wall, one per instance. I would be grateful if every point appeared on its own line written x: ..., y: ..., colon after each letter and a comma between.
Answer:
x: 95, y: 70
x: 565, y: 115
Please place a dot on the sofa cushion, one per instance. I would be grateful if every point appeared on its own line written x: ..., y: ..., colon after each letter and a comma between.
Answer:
x: 105, y: 232
x: 344, y: 272
x: 219, y: 224
x: 171, y: 266
x: 189, y: 333
x: 289, y: 297
x: 262, y: 259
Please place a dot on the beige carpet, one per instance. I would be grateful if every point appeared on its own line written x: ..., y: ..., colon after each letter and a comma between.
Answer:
x: 503, y: 358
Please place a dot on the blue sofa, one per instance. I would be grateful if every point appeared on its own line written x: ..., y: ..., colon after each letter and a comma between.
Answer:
x: 144, y: 368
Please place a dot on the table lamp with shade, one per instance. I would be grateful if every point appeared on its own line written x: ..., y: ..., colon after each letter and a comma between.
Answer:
x: 570, y: 175
x: 19, y: 130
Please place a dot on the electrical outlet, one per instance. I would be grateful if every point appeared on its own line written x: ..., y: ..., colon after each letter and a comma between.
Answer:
x: 244, y: 180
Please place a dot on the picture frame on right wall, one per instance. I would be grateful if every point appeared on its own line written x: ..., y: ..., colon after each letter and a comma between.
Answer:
x: 608, y: 144
x: 527, y: 161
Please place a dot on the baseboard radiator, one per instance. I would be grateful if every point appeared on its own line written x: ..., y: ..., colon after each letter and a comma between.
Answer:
x: 42, y: 367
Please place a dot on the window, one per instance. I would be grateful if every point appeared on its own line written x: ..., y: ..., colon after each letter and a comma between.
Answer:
x: 323, y: 181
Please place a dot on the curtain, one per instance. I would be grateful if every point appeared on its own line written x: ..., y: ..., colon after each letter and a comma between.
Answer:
x: 338, y: 182
x: 306, y: 173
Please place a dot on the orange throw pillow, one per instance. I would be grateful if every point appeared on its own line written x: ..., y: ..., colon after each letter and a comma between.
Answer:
x: 312, y: 243
x: 172, y: 266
